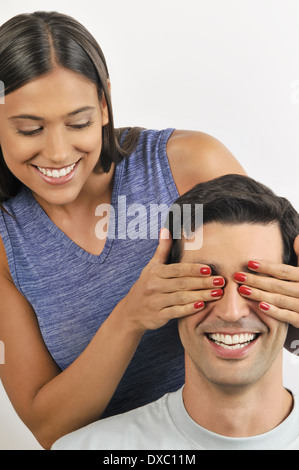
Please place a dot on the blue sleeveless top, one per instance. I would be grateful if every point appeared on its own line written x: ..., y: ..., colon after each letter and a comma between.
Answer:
x: 72, y: 291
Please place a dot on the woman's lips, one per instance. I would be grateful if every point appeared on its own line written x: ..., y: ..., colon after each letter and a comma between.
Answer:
x: 57, y: 176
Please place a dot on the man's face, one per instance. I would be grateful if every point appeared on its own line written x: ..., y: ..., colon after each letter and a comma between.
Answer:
x: 213, y: 352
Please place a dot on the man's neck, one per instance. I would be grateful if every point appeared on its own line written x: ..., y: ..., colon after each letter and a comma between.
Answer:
x: 237, y: 411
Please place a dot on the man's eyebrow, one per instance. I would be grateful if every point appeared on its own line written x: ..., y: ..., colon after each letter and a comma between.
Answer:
x: 218, y: 268
x: 38, y: 118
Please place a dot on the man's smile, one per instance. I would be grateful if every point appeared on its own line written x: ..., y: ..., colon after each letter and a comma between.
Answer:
x: 232, y: 346
x: 229, y: 341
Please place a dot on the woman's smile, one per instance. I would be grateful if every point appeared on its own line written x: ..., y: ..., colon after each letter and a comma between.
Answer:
x: 57, y: 176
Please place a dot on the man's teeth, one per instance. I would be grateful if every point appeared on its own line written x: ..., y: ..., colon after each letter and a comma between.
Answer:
x: 232, y: 341
x: 57, y: 173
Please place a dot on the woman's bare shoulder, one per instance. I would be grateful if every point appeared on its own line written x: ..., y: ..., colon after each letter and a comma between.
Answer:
x: 195, y: 157
x: 4, y: 267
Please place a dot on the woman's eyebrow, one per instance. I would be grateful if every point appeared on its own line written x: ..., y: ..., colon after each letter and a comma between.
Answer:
x: 80, y: 110
x: 37, y: 118
x: 26, y: 116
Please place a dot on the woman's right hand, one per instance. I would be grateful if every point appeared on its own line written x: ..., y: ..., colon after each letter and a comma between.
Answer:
x: 166, y: 291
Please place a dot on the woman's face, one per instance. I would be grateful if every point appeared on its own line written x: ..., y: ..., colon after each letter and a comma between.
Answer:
x: 51, y: 134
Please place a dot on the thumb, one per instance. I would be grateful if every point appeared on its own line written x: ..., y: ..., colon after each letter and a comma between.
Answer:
x: 164, y: 247
x: 296, y: 248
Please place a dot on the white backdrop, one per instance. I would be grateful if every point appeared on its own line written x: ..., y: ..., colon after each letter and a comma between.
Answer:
x: 228, y: 68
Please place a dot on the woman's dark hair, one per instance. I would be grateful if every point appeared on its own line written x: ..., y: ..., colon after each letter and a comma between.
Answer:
x: 235, y: 199
x: 31, y: 45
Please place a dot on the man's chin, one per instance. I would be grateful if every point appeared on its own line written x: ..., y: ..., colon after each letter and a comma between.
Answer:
x: 232, y: 385
x: 231, y: 375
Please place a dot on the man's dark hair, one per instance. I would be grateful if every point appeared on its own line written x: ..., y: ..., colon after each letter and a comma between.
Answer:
x: 236, y: 199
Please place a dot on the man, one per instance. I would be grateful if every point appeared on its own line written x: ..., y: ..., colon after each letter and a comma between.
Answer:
x: 233, y: 397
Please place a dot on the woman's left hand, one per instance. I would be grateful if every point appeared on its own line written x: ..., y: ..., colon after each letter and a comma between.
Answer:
x: 276, y: 288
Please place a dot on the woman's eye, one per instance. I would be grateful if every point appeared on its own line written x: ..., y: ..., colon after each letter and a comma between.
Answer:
x: 37, y: 130
x: 29, y: 132
x: 81, y: 125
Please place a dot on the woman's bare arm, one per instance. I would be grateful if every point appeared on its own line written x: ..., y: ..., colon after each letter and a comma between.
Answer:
x: 53, y: 403
x: 50, y: 402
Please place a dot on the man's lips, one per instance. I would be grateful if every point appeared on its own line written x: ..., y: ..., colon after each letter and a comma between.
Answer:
x: 230, y: 339
x: 232, y: 345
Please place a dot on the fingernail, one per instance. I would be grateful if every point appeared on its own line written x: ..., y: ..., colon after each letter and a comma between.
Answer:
x: 253, y: 265
x: 199, y: 304
x: 239, y: 277
x: 245, y: 290
x: 205, y: 271
x: 264, y: 306
x: 218, y: 281
x: 164, y: 233
x: 216, y: 293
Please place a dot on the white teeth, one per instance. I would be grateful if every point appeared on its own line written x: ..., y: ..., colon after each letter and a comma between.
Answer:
x: 232, y: 341
x: 57, y: 173
x: 233, y: 346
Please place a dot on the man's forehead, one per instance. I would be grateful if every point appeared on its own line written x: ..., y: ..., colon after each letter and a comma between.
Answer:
x: 225, y: 245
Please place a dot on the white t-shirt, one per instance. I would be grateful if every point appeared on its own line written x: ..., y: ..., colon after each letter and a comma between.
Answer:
x: 166, y: 425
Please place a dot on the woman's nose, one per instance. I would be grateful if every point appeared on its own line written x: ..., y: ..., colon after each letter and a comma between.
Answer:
x: 232, y: 306
x: 58, y: 147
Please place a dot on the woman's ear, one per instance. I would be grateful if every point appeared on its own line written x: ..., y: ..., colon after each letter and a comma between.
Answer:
x: 105, y: 113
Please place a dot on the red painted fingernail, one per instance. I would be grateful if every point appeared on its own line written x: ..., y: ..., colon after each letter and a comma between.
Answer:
x: 264, y: 306
x: 216, y: 293
x: 218, y: 281
x: 245, y: 290
x: 253, y: 265
x: 206, y: 271
x: 199, y: 304
x: 239, y: 277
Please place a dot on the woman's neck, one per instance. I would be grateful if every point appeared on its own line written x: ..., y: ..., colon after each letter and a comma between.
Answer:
x: 97, y: 189
x: 78, y: 219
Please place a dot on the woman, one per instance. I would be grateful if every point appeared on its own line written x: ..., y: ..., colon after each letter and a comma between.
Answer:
x: 88, y: 321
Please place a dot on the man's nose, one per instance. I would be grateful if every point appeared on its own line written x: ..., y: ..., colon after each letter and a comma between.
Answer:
x: 232, y: 306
